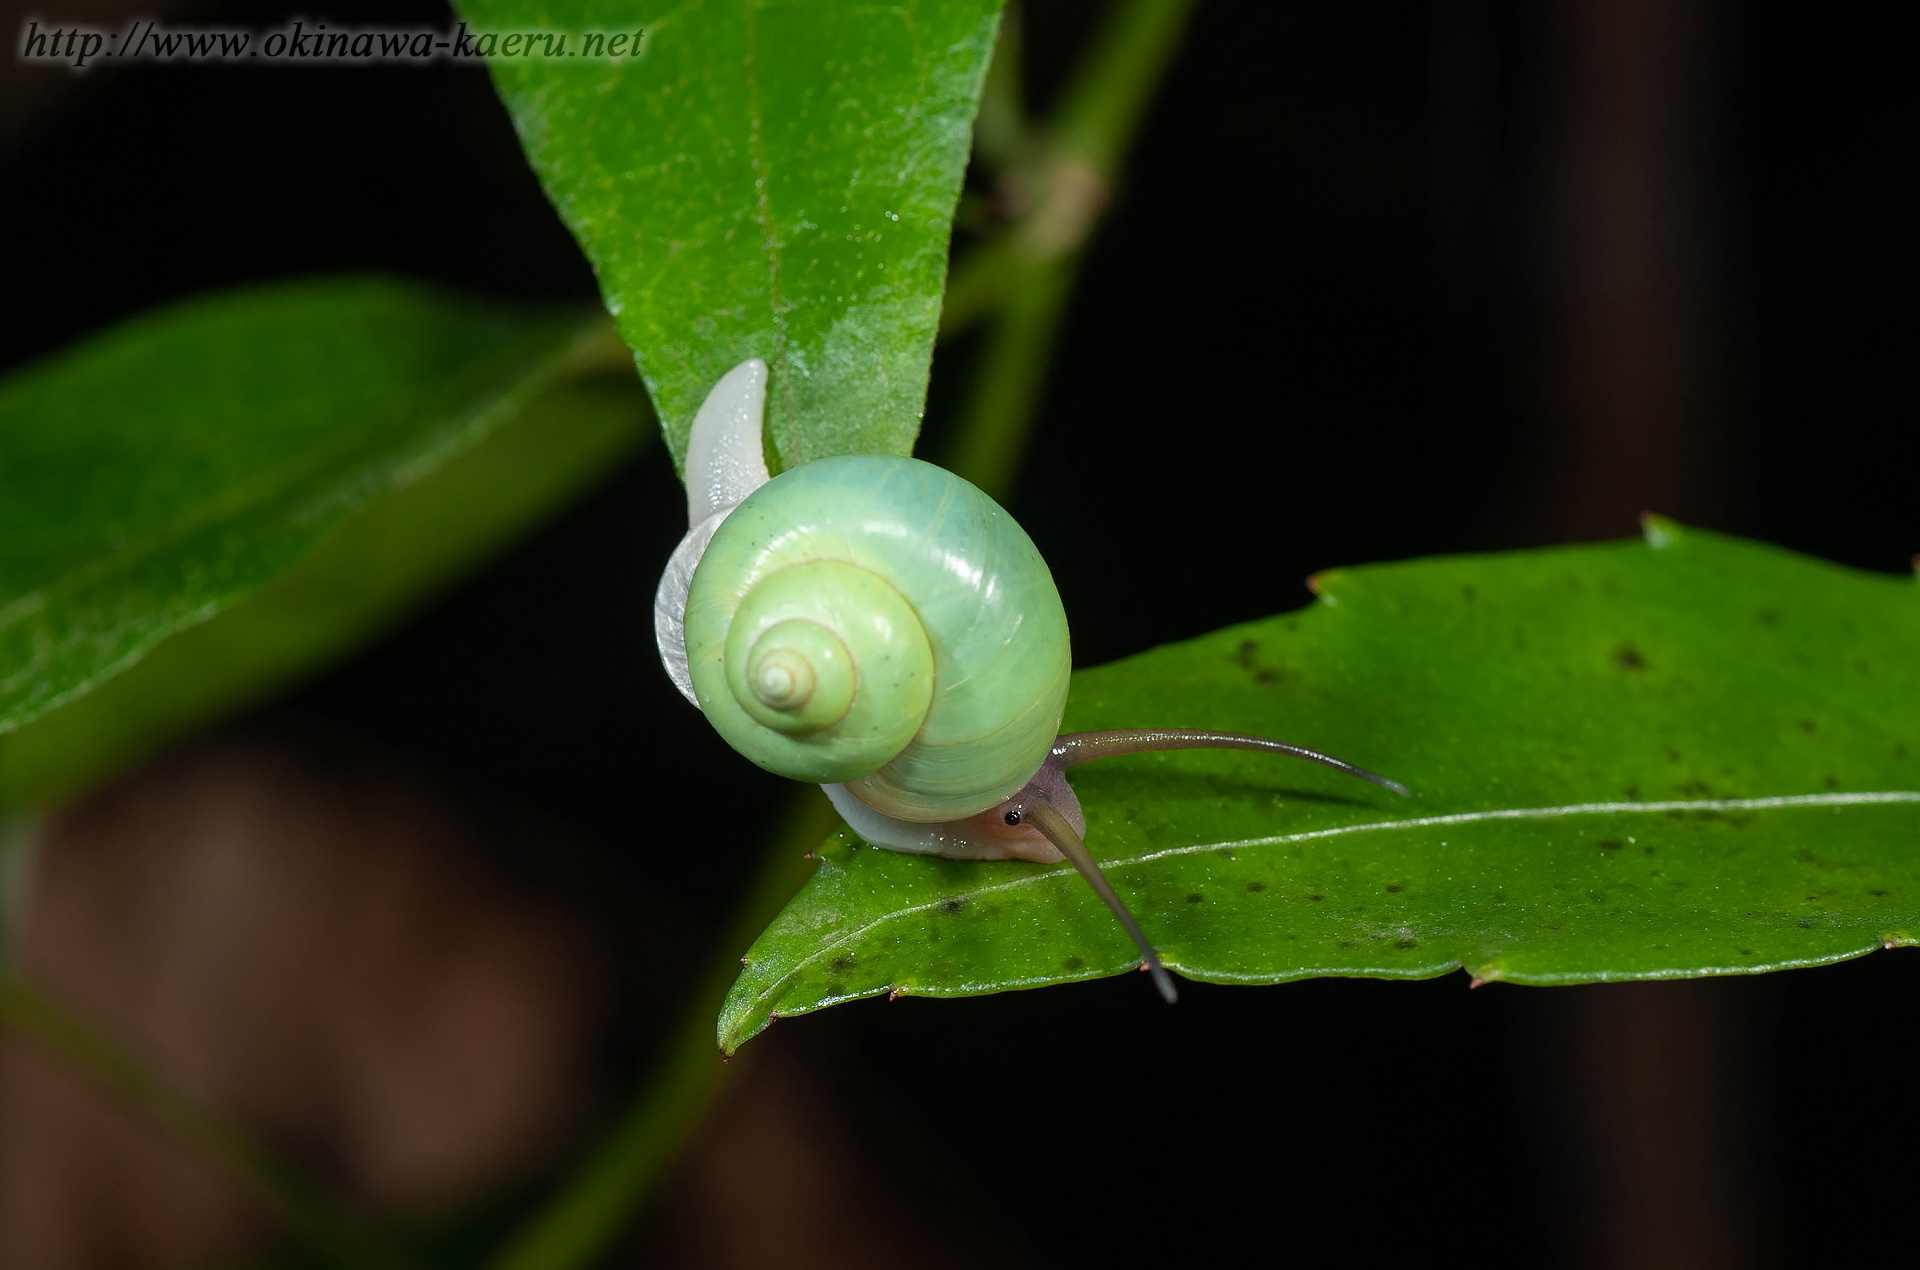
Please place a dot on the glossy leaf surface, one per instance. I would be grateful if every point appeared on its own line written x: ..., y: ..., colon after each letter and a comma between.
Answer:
x: 1687, y: 756
x: 761, y: 180
x: 206, y: 499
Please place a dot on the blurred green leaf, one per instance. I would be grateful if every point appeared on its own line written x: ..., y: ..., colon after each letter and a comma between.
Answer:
x: 762, y: 180
x: 210, y: 498
x: 1689, y: 756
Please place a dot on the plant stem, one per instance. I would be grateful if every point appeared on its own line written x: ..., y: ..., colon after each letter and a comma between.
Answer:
x: 1101, y: 111
x: 302, y: 1208
x: 998, y: 416
x: 1001, y: 126
x: 1029, y: 274
x: 592, y: 1207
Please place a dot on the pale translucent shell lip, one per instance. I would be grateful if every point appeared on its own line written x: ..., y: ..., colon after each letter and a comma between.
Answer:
x: 979, y: 586
x: 725, y: 463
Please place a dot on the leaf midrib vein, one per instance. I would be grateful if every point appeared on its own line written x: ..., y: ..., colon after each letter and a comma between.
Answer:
x: 763, y: 208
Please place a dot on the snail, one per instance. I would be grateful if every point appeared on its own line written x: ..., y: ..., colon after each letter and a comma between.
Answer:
x: 879, y: 626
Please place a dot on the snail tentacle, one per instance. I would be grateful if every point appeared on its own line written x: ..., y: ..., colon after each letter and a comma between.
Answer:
x: 1002, y: 832
x: 726, y: 461
x: 1073, y: 748
x: 1051, y: 823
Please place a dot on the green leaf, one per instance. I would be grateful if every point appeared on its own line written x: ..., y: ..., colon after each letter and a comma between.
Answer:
x: 210, y: 498
x: 1689, y: 756
x: 761, y: 180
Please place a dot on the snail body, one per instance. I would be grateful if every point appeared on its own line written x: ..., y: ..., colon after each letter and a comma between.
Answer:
x: 879, y: 626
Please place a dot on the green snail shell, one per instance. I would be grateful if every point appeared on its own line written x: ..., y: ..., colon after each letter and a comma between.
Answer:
x: 880, y: 622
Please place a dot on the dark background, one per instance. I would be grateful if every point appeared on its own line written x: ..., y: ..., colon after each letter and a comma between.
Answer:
x: 1382, y: 280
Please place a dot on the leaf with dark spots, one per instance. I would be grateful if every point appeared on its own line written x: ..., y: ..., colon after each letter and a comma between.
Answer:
x: 1493, y: 864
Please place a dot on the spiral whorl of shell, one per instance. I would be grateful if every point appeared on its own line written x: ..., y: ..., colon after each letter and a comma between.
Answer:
x: 880, y: 622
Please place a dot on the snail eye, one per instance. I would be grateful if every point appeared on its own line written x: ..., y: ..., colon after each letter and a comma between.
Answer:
x: 1013, y: 817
